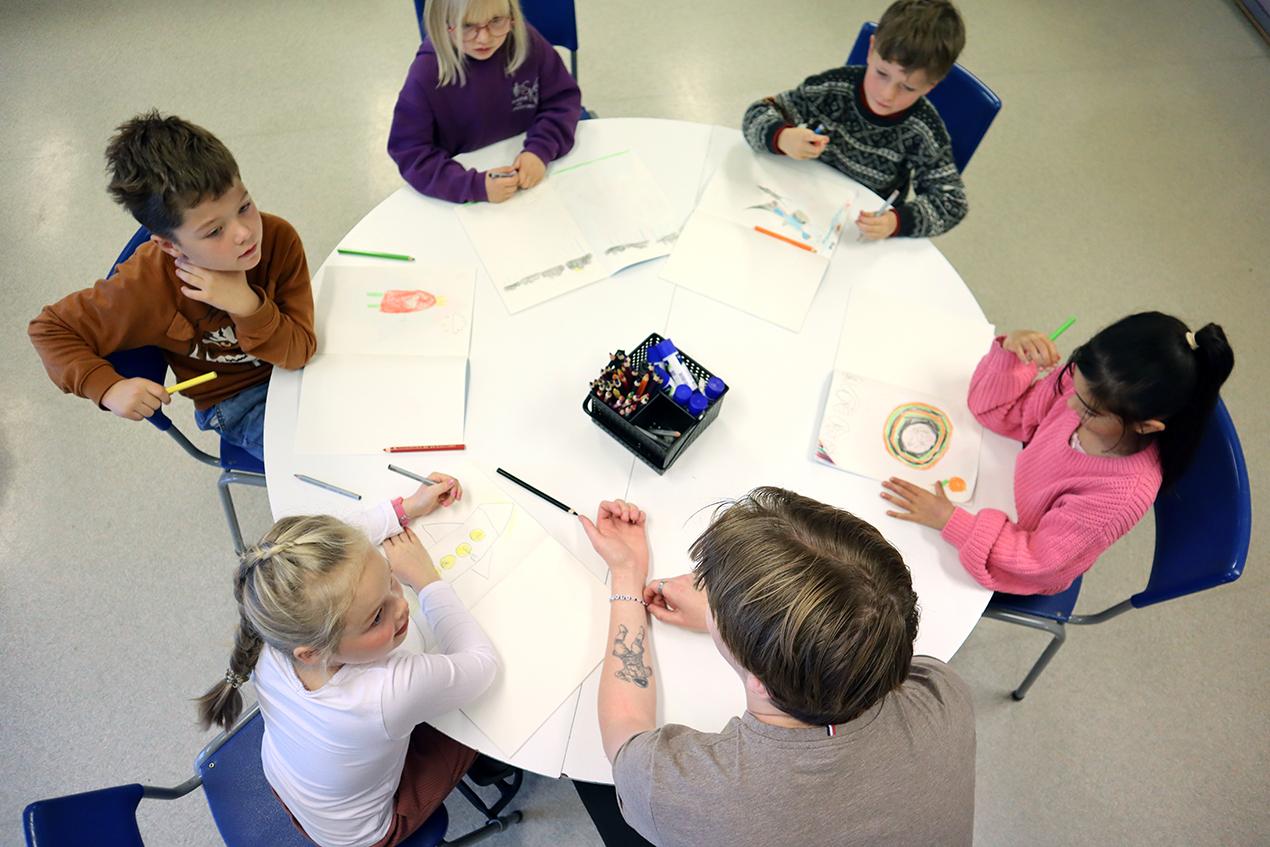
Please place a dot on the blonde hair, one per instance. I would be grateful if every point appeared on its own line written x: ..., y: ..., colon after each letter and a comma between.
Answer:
x: 292, y: 589
x: 440, y: 15
x: 811, y: 600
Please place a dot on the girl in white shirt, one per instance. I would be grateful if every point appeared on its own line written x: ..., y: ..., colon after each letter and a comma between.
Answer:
x: 341, y: 674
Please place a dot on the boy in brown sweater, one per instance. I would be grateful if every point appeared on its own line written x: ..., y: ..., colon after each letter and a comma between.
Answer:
x: 219, y: 287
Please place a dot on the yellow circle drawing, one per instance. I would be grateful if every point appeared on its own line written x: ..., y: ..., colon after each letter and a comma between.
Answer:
x: 477, y: 535
x: 447, y: 562
x: 464, y: 549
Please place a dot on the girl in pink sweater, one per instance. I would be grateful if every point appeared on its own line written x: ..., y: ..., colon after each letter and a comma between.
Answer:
x: 1101, y: 436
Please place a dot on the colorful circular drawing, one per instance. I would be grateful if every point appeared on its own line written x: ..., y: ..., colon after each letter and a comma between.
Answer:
x: 917, y: 434
x: 464, y: 549
x: 447, y: 562
x: 477, y: 534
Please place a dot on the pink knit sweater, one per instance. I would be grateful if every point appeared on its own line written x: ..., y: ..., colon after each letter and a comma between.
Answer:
x: 1071, y: 506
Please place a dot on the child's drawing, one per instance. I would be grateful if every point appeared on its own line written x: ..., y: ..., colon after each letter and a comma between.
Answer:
x: 458, y: 548
x: 918, y: 434
x: 398, y: 301
x: 552, y: 272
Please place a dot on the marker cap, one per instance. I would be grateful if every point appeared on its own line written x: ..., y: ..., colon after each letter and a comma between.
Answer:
x: 715, y: 388
x: 683, y: 394
x: 697, y: 403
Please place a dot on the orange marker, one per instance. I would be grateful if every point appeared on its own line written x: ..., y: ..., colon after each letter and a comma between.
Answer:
x: 780, y: 237
x: 424, y: 448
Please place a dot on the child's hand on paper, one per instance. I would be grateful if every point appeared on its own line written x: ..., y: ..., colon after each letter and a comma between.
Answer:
x: 530, y: 168
x: 1032, y: 347
x: 619, y: 536
x: 676, y: 601
x: 224, y: 290
x: 798, y: 142
x: 498, y: 189
x: 876, y: 227
x: 428, y: 498
x: 135, y: 398
x: 410, y: 563
x: 919, y: 505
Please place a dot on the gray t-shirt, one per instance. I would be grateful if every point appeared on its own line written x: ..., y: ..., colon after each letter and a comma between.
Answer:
x: 901, y: 773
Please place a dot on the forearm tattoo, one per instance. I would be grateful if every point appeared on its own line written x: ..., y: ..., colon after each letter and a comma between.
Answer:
x: 633, y: 668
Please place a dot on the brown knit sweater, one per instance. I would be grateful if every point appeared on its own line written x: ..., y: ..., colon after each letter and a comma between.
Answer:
x: 142, y: 305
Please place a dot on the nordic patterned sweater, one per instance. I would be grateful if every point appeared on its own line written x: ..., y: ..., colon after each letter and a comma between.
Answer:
x: 882, y: 153
x: 1071, y: 506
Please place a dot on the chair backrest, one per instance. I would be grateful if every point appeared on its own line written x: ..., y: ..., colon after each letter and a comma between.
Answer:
x: 243, y: 805
x: 145, y: 362
x: 107, y: 817
x: 555, y: 19
x: 1203, y: 524
x: 965, y: 104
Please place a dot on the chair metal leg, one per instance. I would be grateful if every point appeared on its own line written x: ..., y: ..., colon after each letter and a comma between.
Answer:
x: 1058, y: 634
x: 231, y: 516
x: 492, y: 826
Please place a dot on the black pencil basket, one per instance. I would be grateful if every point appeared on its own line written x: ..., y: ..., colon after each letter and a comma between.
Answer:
x: 661, y: 412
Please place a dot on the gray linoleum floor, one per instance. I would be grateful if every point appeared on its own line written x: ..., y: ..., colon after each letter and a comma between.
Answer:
x: 1130, y: 169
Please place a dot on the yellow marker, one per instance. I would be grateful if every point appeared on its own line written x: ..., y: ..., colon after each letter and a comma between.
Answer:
x: 190, y: 383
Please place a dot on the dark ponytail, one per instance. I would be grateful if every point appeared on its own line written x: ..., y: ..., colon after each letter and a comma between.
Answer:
x: 222, y: 704
x: 1149, y: 366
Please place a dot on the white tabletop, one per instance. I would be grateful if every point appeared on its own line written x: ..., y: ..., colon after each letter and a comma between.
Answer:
x: 529, y: 374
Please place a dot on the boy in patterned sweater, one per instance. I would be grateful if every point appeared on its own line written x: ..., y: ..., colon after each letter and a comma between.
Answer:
x: 875, y: 124
x: 219, y: 287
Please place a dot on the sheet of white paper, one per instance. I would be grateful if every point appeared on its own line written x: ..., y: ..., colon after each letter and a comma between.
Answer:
x: 880, y: 430
x: 362, y: 404
x: 531, y: 247
x: 749, y: 271
x: 549, y: 598
x: 721, y: 255
x: 798, y: 200
x: 891, y: 338
x: 622, y: 212
x: 404, y: 310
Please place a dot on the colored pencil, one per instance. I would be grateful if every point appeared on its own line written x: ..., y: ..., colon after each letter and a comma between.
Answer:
x: 190, y: 383
x: 1066, y: 324
x: 890, y: 201
x: 553, y: 501
x: 412, y: 475
x: 424, y: 448
x: 780, y: 237
x: 320, y: 484
x: 398, y: 257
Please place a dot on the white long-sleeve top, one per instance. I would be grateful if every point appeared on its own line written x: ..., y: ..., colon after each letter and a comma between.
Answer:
x: 335, y: 755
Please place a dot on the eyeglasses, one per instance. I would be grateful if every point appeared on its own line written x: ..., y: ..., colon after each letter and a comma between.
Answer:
x: 497, y: 27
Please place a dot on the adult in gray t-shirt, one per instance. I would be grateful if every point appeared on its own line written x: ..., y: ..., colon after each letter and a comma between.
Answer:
x: 901, y: 773
x: 846, y: 738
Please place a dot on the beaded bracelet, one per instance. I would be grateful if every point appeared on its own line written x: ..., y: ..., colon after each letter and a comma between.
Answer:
x: 639, y: 600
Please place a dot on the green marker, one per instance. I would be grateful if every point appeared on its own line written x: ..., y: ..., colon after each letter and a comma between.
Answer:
x: 1066, y: 325
x: 394, y: 256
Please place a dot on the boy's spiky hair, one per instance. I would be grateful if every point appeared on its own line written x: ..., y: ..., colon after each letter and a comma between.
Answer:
x: 160, y: 167
x: 925, y: 35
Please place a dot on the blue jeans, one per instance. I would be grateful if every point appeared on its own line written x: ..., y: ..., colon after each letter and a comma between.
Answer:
x: 240, y: 419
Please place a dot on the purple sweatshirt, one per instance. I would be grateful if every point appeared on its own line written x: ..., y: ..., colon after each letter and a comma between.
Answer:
x: 430, y: 124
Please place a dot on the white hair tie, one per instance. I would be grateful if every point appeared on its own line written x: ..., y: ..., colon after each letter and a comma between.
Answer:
x: 1190, y: 340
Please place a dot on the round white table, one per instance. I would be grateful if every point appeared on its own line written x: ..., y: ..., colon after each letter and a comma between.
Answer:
x: 529, y: 373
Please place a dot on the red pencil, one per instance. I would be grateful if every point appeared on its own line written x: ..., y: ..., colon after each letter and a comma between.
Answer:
x: 777, y: 235
x: 424, y: 448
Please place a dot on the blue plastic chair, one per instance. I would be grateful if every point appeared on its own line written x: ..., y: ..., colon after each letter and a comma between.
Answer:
x: 245, y: 810
x: 965, y: 104
x: 1203, y: 526
x: 555, y: 19
x: 236, y: 464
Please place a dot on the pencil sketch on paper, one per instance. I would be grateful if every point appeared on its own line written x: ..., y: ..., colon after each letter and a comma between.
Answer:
x: 551, y: 273
x: 798, y: 223
x: 917, y: 434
